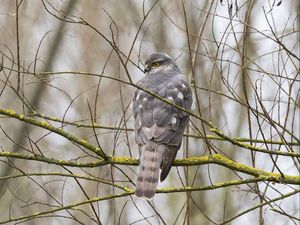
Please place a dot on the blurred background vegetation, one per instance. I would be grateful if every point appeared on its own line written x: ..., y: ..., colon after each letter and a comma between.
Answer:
x: 72, y: 63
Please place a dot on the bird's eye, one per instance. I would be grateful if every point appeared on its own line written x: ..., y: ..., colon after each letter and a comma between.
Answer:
x: 156, y: 64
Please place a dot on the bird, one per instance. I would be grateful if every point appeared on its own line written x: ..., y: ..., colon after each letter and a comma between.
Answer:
x: 159, y: 126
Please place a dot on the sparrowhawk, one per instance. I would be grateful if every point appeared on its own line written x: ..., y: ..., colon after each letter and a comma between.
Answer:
x: 159, y: 126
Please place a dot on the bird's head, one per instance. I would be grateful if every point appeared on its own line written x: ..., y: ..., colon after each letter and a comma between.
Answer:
x: 159, y: 62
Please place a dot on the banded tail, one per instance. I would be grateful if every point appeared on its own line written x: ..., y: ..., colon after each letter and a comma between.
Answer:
x: 148, y: 175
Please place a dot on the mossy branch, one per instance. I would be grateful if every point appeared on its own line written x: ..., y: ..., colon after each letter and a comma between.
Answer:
x: 59, y: 131
x: 192, y: 161
x: 100, y: 152
x: 129, y: 191
x: 209, y: 137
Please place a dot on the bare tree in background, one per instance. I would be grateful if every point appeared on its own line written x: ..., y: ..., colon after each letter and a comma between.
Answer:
x: 68, y: 73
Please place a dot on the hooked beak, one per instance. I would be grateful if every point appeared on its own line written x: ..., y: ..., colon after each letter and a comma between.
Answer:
x: 146, y: 69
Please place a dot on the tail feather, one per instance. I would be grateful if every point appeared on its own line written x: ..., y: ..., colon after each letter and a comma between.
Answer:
x: 150, y: 161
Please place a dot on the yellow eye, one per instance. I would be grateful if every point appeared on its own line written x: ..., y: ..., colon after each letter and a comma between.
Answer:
x: 155, y: 64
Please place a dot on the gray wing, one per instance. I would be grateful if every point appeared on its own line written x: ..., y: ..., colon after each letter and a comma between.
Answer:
x: 158, y: 121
